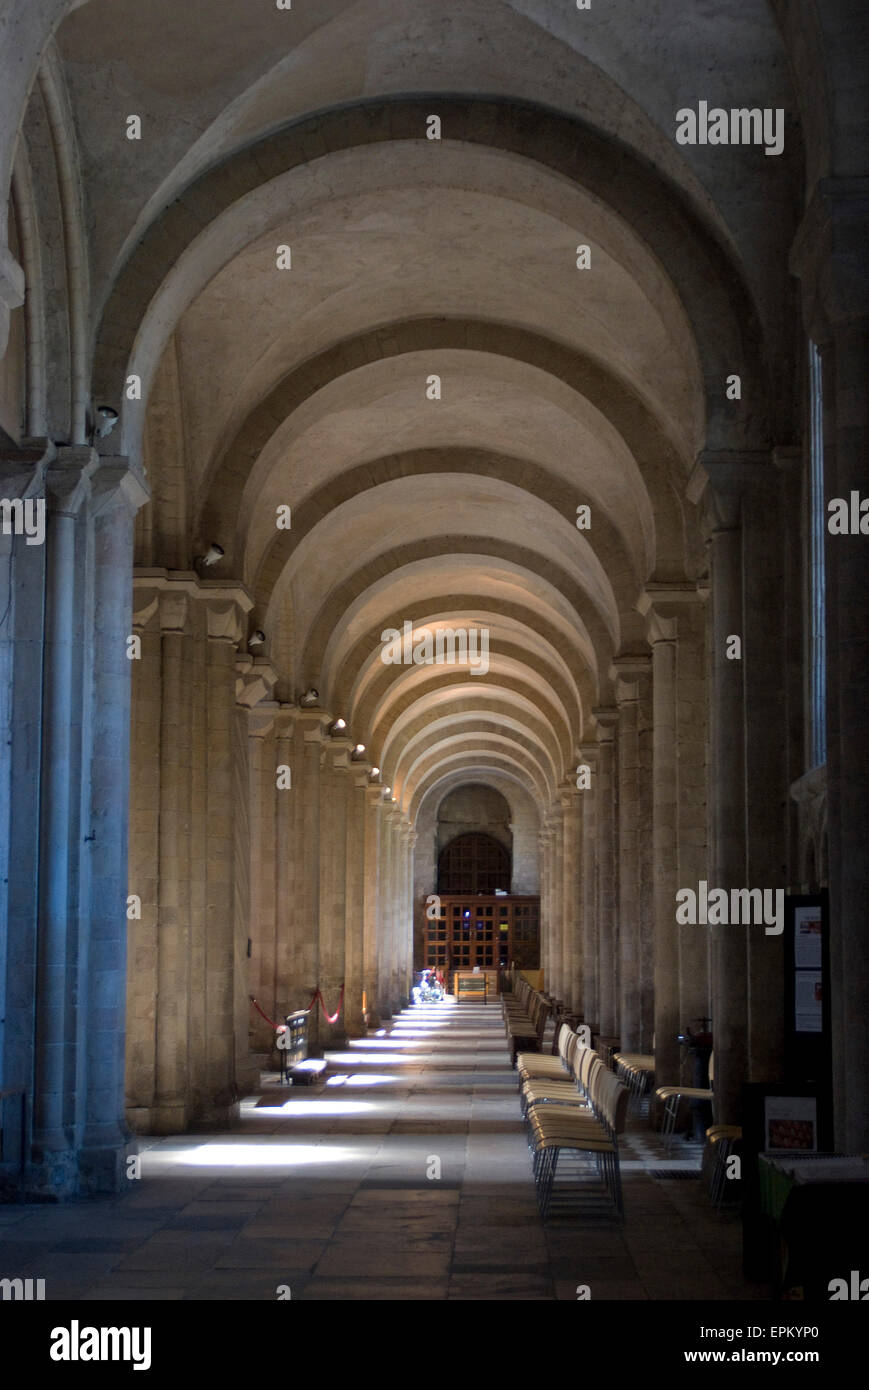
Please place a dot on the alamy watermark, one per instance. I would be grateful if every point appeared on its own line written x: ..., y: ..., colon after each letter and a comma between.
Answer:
x: 744, y: 907
x: 736, y: 126
x: 23, y: 518
x: 448, y: 646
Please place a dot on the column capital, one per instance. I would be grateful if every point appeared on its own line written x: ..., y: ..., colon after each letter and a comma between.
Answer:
x: 11, y: 291
x: 628, y: 674
x: 262, y: 719
x: 721, y: 479
x: 68, y: 480
x: 227, y: 605
x: 661, y: 605
x: 606, y: 718
x: 255, y: 679
x: 116, y: 483
x: 338, y: 750
x: 828, y: 256
x: 313, y: 724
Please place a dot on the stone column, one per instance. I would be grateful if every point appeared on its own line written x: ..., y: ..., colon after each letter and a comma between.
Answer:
x: 829, y: 256
x: 662, y: 632
x: 571, y: 939
x: 306, y: 845
x: 370, y: 906
x: 117, y: 496
x: 627, y: 674
x: 262, y: 793
x: 405, y: 933
x: 22, y: 600
x: 543, y: 842
x: 608, y: 937
x: 53, y: 1157
x: 358, y: 866
x: 590, y: 1001
x: 225, y: 628
x: 385, y: 907
x: 727, y: 860
x: 254, y: 682
x: 335, y: 784
x: 556, y: 901
x: 170, y: 1018
x: 289, y: 811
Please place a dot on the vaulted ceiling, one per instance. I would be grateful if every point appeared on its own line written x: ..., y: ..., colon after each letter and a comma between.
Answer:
x: 560, y: 387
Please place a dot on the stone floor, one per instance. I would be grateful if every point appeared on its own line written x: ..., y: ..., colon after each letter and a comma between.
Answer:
x: 405, y: 1176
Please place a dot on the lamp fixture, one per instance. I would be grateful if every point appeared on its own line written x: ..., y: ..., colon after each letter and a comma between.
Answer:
x: 214, y: 553
x: 338, y: 726
x: 107, y: 418
x: 256, y: 638
x: 310, y: 699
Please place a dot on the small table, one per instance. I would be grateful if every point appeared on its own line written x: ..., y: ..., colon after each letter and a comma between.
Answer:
x: 470, y: 984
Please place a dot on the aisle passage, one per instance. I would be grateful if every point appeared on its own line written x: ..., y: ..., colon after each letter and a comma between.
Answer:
x: 405, y: 1176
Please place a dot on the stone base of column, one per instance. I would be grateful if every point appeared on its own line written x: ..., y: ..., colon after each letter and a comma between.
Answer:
x: 216, y: 1115
x: 65, y: 1174
x: 51, y: 1176
x: 105, y: 1169
x: 162, y: 1119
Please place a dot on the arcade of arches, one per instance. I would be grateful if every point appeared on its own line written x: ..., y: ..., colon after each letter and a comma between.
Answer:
x: 365, y: 378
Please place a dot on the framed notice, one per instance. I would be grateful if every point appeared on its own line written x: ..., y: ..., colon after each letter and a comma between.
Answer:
x: 808, y: 1031
x: 790, y: 1124
x: 808, y: 938
x: 808, y: 1001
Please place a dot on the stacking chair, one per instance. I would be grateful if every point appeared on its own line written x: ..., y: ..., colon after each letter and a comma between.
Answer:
x: 539, y: 1064
x: 555, y: 1128
x: 635, y: 1070
x: 574, y: 1090
x: 672, y: 1095
x: 724, y: 1139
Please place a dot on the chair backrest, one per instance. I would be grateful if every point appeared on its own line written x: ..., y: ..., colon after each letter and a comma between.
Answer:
x: 619, y: 1109
x: 584, y: 1058
x: 711, y: 1070
x: 572, y: 1054
x: 596, y: 1072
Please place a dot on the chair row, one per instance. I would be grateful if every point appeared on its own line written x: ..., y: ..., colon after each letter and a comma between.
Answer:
x: 525, y: 1012
x: 572, y: 1103
x: 636, y: 1071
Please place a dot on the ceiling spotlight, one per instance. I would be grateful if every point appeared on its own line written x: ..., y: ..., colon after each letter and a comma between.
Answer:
x: 375, y: 772
x: 357, y: 752
x: 338, y: 726
x: 386, y: 791
x: 107, y: 418
x: 310, y: 698
x: 214, y: 553
x: 257, y: 638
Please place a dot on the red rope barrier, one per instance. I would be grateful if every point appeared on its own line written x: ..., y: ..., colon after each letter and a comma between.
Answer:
x: 276, y: 1026
x: 330, y: 1018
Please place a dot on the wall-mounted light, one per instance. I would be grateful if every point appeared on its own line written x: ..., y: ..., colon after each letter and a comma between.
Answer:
x: 214, y: 553
x: 256, y: 639
x: 374, y: 773
x: 357, y: 752
x: 310, y: 698
x: 338, y: 727
x: 107, y: 418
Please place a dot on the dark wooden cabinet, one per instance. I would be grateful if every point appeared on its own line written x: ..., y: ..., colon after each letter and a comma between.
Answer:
x: 490, y: 931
